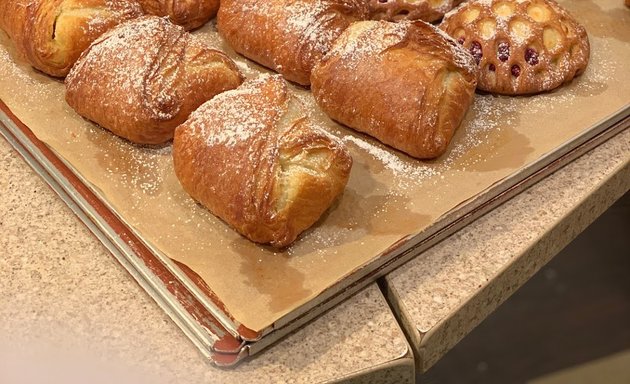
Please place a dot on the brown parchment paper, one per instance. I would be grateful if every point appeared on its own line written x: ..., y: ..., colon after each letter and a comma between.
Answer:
x: 389, y: 195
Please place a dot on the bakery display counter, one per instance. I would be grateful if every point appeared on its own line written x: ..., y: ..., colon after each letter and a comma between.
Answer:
x: 67, y: 301
x: 233, y: 298
x: 446, y: 292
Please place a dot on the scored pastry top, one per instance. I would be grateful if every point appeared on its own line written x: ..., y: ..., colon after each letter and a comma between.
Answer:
x: 288, y: 36
x: 51, y: 35
x: 190, y: 14
x: 144, y: 77
x: 253, y: 157
x: 396, y: 10
x: 407, y: 84
x: 521, y: 46
x: 371, y: 38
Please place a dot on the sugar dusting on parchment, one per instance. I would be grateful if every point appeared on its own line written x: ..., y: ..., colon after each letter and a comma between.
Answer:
x: 16, y: 68
x: 409, y: 173
x: 141, y: 169
x: 400, y: 168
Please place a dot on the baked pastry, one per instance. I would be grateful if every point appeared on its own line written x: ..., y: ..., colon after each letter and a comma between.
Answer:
x: 407, y: 84
x: 522, y: 47
x: 288, y: 36
x: 143, y: 78
x: 51, y: 34
x: 396, y: 10
x: 190, y: 14
x: 254, y: 159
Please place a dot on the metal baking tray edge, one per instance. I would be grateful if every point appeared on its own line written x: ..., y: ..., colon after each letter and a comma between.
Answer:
x: 225, y: 344
x: 454, y: 220
x: 212, y: 339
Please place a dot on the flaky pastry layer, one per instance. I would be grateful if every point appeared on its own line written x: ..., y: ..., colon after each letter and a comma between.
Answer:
x: 254, y: 159
x: 397, y: 10
x: 52, y: 34
x: 190, y: 14
x: 143, y: 78
x: 288, y: 36
x: 406, y: 84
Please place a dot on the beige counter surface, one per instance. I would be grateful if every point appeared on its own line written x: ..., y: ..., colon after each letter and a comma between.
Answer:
x: 62, y: 293
x: 448, y: 290
x: 69, y: 309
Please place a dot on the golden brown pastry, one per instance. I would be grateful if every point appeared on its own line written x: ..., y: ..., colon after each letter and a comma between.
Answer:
x: 288, y: 36
x: 522, y: 47
x: 190, y: 14
x: 143, y: 78
x: 407, y: 84
x: 51, y: 34
x: 253, y: 158
x: 396, y: 10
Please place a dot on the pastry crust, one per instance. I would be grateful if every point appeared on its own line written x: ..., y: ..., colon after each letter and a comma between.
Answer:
x: 143, y: 78
x: 407, y: 84
x: 253, y: 158
x: 397, y: 10
x: 288, y: 36
x: 523, y: 46
x: 52, y: 34
x: 190, y: 14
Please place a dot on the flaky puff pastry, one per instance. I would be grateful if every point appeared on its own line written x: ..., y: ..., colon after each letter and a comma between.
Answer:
x: 406, y: 84
x: 396, y: 10
x: 253, y: 158
x: 190, y: 14
x: 143, y: 78
x: 288, y: 36
x: 521, y: 46
x: 52, y: 34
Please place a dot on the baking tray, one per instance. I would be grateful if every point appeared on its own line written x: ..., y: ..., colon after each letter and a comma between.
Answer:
x: 232, y: 297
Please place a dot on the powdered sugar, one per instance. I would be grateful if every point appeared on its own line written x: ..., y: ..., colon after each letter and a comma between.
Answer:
x: 142, y: 170
x: 364, y: 39
x: 487, y: 120
x: 312, y: 21
x: 405, y: 172
x: 146, y: 71
x: 239, y: 124
x: 234, y: 112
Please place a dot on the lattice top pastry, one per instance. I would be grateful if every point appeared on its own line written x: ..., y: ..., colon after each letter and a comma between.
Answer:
x: 396, y: 10
x: 521, y: 46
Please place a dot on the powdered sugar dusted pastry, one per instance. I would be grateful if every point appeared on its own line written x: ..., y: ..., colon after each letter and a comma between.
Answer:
x: 521, y: 46
x: 288, y: 36
x: 143, y: 78
x: 396, y: 10
x: 253, y: 158
x: 189, y: 14
x: 52, y: 34
x: 407, y: 84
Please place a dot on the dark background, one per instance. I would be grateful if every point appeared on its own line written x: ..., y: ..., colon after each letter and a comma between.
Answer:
x: 574, y: 310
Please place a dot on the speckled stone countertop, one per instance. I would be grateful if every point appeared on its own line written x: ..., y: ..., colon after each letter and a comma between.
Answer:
x: 64, y: 297
x: 69, y: 308
x: 448, y: 290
